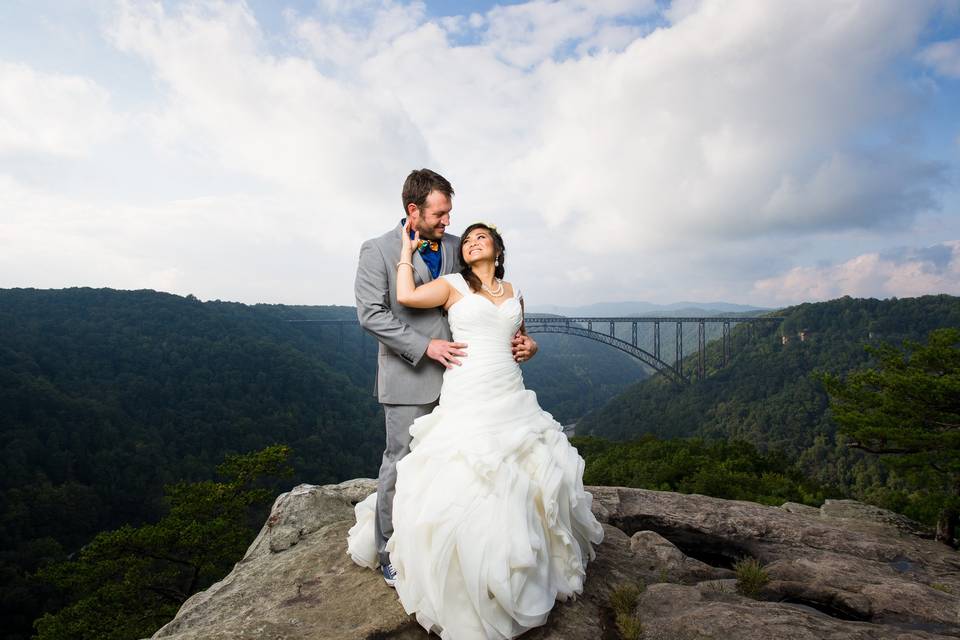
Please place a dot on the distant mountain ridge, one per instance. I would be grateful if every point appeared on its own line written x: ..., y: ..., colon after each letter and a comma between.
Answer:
x: 772, y: 366
x: 636, y: 308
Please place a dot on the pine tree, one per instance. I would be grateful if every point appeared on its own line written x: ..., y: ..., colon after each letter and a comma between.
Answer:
x: 128, y: 582
x: 907, y: 409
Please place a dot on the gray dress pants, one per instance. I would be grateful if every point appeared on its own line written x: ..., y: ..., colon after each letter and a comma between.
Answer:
x: 399, y: 417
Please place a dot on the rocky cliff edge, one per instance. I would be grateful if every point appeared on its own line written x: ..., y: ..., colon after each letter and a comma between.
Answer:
x: 845, y: 570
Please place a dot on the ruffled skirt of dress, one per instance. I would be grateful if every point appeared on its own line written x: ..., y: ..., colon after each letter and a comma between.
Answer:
x: 491, y: 521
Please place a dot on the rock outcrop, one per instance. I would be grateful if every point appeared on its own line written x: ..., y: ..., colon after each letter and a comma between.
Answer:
x: 846, y: 570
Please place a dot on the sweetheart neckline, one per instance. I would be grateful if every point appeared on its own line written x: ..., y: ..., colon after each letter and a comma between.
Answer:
x: 485, y: 299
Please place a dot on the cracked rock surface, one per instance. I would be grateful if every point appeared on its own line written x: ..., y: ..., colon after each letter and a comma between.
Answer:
x: 846, y: 570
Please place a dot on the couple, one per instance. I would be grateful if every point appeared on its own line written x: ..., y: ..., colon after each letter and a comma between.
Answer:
x: 480, y: 519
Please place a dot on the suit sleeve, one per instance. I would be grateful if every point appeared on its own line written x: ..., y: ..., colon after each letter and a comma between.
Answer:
x: 372, y: 290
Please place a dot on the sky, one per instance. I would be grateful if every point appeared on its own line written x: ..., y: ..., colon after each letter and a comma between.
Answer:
x: 763, y: 153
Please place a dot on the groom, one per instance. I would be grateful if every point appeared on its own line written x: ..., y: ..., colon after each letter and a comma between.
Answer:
x: 415, y: 344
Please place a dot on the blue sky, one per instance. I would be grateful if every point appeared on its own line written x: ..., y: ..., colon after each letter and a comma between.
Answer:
x: 756, y: 152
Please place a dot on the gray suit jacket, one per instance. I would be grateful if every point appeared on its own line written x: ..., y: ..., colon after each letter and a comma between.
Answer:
x: 404, y: 374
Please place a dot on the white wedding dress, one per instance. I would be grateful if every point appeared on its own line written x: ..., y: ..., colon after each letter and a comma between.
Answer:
x: 491, y: 521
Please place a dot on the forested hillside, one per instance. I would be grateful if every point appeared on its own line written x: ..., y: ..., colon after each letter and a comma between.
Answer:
x: 106, y: 396
x: 768, y: 394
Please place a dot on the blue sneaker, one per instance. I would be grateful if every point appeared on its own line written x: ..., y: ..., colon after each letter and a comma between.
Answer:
x: 389, y: 574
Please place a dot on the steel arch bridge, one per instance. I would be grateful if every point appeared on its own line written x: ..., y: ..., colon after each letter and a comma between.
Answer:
x: 672, y: 371
x: 584, y: 327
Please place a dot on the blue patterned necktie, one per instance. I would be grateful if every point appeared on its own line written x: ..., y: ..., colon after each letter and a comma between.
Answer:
x: 430, y: 252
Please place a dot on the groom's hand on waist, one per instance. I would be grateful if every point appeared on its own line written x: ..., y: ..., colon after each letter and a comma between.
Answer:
x: 446, y: 352
x: 523, y: 347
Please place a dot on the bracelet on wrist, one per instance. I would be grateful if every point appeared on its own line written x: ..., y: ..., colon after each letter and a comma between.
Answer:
x: 402, y: 262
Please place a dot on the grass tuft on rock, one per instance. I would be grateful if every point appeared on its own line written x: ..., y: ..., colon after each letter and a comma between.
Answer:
x: 751, y: 577
x: 629, y: 626
x: 623, y: 599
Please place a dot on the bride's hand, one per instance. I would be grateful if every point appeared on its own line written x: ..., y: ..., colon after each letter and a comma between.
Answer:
x: 408, y: 246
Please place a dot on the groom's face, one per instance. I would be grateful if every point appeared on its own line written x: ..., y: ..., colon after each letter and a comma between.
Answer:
x: 433, y: 217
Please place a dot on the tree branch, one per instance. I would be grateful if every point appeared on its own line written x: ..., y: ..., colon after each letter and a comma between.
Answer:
x: 170, y: 594
x: 154, y: 556
x: 946, y: 425
x: 863, y: 447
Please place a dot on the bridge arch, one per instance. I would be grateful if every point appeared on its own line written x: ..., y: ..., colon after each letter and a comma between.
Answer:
x: 643, y: 355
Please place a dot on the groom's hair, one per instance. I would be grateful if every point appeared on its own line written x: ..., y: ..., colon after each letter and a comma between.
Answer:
x: 420, y: 183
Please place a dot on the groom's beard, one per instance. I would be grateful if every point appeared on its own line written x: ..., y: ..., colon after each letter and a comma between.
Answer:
x: 430, y: 233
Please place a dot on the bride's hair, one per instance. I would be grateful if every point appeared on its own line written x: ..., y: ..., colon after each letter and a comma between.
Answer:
x: 465, y: 269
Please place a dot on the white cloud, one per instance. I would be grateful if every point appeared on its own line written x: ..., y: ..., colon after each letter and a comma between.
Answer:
x: 944, y: 57
x: 276, y: 119
x: 527, y: 34
x: 579, y: 275
x: 604, y: 149
x: 51, y: 113
x: 346, y: 33
x: 847, y: 191
x: 737, y: 120
x: 233, y: 247
x: 902, y: 273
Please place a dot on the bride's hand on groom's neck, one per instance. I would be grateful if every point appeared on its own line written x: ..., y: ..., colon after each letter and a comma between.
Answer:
x: 407, y: 245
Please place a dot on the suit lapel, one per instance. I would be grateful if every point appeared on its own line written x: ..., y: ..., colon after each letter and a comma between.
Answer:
x: 421, y: 267
x: 448, y: 257
x: 444, y: 260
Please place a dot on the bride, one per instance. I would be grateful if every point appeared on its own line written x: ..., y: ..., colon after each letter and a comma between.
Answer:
x: 491, y: 521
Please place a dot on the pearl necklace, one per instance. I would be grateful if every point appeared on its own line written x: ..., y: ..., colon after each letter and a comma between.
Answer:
x: 498, y: 292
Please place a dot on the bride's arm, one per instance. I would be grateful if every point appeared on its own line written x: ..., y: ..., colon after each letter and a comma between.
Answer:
x: 432, y: 294
x: 426, y: 296
x: 523, y: 316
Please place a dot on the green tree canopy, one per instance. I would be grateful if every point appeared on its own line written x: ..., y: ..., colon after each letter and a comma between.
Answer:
x: 128, y: 582
x: 907, y: 409
x: 733, y: 470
